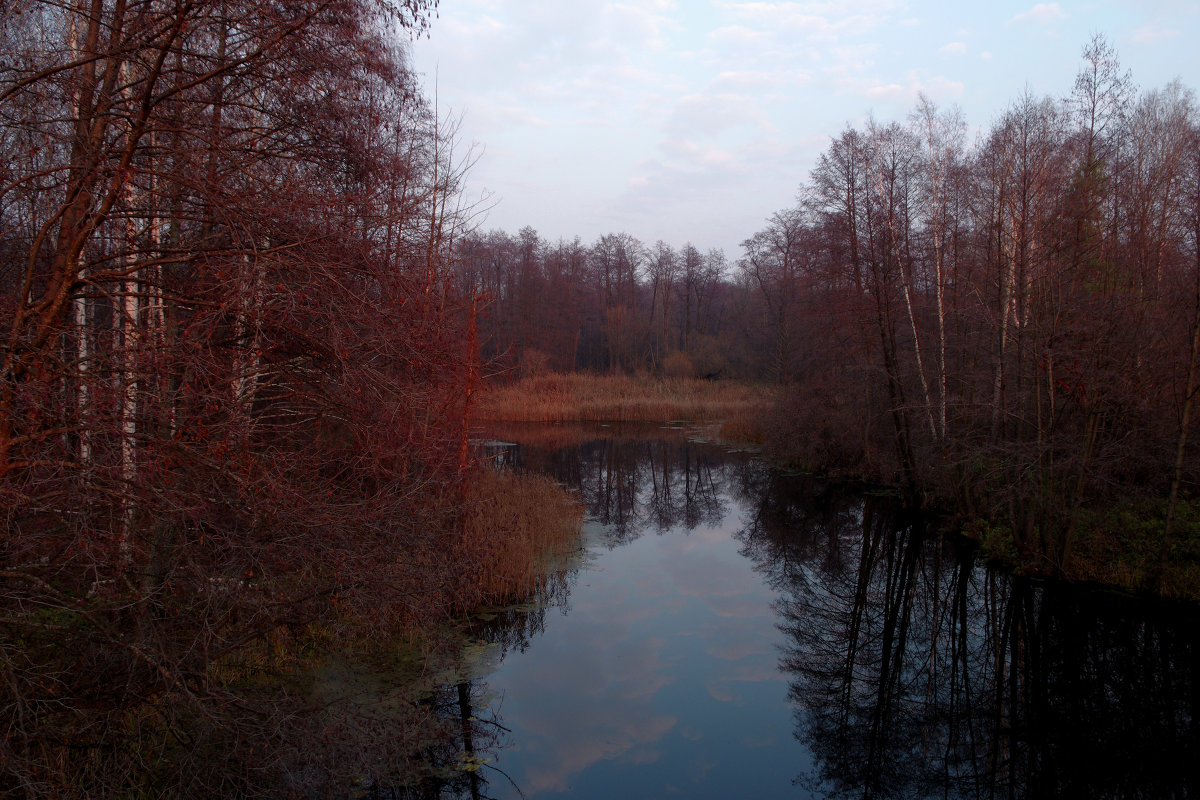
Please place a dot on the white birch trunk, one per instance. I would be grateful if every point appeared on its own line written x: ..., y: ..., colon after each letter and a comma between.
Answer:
x: 1008, y: 281
x: 128, y: 324
x: 247, y: 358
x: 83, y: 357
x: 80, y: 311
x: 886, y: 198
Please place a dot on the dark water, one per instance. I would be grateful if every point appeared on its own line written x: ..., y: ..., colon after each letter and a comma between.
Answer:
x: 730, y: 631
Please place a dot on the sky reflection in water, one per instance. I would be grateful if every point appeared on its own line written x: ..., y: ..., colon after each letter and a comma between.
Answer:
x: 661, y: 677
x: 736, y: 632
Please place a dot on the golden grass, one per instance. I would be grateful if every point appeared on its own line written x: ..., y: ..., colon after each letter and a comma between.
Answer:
x: 616, y: 398
x: 517, y: 531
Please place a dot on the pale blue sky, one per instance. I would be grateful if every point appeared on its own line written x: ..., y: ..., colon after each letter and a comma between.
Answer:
x: 693, y: 120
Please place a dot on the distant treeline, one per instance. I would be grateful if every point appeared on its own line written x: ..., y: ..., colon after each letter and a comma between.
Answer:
x: 1011, y: 324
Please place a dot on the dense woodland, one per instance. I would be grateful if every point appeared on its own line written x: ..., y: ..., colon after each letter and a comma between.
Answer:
x: 1008, y: 327
x: 234, y: 377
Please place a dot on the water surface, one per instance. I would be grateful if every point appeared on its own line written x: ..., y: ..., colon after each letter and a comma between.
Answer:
x: 731, y: 631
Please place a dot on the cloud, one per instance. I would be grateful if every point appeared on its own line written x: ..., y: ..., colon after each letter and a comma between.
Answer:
x: 730, y: 687
x: 478, y: 27
x: 1041, y: 14
x: 707, y: 114
x: 888, y: 91
x: 721, y: 197
x: 507, y: 112
x: 754, y: 80
x: 816, y: 21
x: 645, y: 21
x: 853, y: 58
x: 902, y: 94
x: 741, y: 36
x: 611, y: 732
x: 953, y: 48
x: 1153, y: 32
x: 732, y: 638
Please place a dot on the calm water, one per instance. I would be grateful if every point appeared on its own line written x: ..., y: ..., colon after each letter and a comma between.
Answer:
x: 728, y: 631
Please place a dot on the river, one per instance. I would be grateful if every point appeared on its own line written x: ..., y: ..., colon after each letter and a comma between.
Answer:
x: 729, y: 630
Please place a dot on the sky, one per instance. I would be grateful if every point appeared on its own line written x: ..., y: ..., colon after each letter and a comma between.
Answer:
x: 694, y: 120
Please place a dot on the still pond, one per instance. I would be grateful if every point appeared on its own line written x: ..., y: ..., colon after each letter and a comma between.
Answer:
x: 728, y: 630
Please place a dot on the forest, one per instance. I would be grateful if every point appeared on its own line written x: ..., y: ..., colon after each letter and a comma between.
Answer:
x: 235, y: 377
x: 246, y: 311
x: 1005, y: 327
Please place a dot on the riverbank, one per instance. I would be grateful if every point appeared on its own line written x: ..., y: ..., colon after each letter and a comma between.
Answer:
x: 517, y: 530
x: 407, y: 667
x: 1117, y: 541
x: 279, y: 682
x: 1120, y: 545
x: 1082, y: 522
x: 519, y: 535
x: 562, y: 397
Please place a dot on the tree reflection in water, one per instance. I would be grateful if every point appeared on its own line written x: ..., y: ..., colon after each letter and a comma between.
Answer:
x: 635, y: 479
x: 920, y: 673
x: 370, y: 739
x: 914, y: 670
x: 631, y: 485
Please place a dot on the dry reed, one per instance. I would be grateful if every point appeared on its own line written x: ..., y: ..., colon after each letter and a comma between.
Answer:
x: 615, y: 398
x: 517, y: 530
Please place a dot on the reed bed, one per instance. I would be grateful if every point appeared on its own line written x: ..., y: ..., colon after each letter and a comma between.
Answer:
x: 517, y: 531
x: 617, y: 398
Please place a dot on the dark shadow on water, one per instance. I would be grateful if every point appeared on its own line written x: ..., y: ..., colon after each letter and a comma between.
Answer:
x: 917, y: 672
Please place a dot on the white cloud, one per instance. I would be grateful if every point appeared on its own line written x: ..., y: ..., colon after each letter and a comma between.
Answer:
x: 1153, y: 32
x: 643, y: 22
x: 480, y: 26
x: 905, y: 94
x: 749, y: 80
x: 707, y: 114
x: 942, y: 87
x: 740, y: 36
x: 816, y: 21
x: 667, y: 118
x: 510, y: 113
x: 887, y: 91
x: 1040, y: 15
x: 708, y: 157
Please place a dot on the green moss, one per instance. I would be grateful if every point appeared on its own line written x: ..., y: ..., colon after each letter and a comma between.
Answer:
x: 995, y: 542
x: 1118, y: 544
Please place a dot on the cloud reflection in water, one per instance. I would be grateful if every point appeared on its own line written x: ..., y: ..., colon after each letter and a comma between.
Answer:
x: 665, y: 665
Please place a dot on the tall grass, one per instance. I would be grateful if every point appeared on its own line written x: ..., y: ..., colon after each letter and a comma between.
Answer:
x: 517, y: 530
x: 617, y: 398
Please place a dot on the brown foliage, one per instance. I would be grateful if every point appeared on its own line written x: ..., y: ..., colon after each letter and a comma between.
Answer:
x: 233, y: 381
x: 1008, y: 330
x: 581, y: 397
